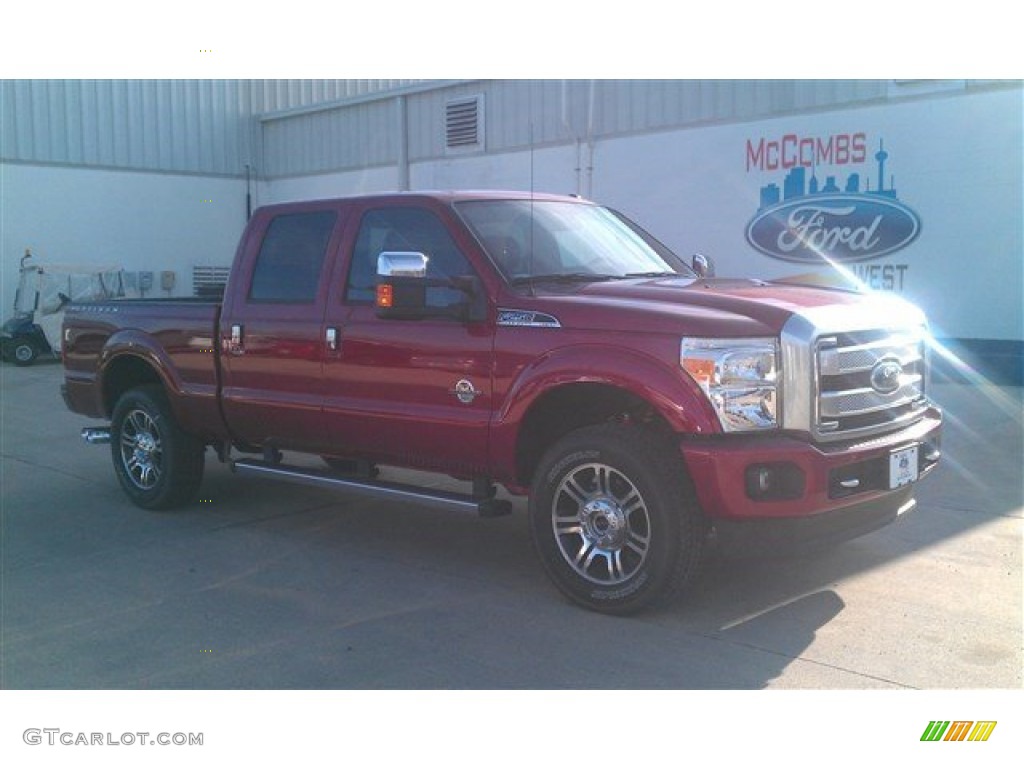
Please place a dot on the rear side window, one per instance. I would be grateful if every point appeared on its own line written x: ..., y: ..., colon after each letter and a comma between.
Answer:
x: 287, y: 269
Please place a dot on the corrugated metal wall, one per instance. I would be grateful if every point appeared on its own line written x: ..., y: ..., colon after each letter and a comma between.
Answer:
x: 297, y: 127
x: 518, y: 113
x: 550, y: 111
x: 180, y: 126
x: 278, y: 95
x: 357, y: 136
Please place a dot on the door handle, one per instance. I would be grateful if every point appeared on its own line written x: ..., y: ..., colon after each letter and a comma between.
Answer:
x: 331, y: 337
x: 236, y: 339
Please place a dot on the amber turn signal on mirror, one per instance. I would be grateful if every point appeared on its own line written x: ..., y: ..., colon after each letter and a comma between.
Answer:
x: 385, y: 296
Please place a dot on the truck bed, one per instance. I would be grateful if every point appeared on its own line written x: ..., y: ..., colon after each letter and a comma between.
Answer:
x: 178, y: 337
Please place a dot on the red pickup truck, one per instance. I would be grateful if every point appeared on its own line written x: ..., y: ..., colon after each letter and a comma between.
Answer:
x: 543, y: 343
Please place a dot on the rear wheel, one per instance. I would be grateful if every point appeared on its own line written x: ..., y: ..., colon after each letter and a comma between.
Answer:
x: 24, y: 352
x: 614, y: 519
x: 158, y: 465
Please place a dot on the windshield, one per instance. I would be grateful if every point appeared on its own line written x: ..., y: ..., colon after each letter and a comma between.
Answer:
x: 546, y: 240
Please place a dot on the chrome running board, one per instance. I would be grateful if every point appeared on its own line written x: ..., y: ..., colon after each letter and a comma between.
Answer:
x: 485, y: 507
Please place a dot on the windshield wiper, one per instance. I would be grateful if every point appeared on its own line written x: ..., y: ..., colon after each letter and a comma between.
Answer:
x: 563, y: 277
x: 655, y: 274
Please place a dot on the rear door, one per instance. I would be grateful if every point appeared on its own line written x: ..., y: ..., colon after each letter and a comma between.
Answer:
x: 272, y: 328
x: 410, y: 392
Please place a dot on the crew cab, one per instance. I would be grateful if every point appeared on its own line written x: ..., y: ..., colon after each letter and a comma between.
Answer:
x: 542, y: 343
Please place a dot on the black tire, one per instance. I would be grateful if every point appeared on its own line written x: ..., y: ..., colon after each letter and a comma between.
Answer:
x: 158, y: 465
x: 24, y: 352
x: 614, y: 518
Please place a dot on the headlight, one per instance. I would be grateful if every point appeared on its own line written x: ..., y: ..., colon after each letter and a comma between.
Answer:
x: 739, y: 376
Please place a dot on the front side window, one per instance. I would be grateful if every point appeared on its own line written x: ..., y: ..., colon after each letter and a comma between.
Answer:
x: 287, y: 269
x: 410, y: 230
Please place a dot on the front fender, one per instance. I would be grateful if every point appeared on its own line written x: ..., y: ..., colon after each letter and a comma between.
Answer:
x: 667, y: 389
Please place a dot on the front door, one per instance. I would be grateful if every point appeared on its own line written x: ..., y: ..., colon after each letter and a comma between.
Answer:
x: 410, y: 392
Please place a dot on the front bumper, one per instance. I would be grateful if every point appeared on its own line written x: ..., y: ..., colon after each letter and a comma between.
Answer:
x: 831, y: 486
x: 795, y: 535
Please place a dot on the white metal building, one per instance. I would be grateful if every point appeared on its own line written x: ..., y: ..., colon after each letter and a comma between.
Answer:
x: 909, y: 186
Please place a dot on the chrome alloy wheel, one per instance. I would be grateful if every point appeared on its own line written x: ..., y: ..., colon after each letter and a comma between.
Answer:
x: 141, y: 450
x: 601, y: 524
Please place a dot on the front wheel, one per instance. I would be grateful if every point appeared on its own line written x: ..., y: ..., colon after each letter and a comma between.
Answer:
x: 158, y: 465
x: 614, y: 519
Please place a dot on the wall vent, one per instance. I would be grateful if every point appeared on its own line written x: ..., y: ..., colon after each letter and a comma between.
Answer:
x: 209, y: 282
x: 463, y: 124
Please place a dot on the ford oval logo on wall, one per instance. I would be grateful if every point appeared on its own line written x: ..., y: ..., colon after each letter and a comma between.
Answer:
x: 840, y: 227
x: 813, y: 221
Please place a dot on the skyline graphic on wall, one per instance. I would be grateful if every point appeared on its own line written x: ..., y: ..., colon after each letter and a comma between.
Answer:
x: 796, y: 185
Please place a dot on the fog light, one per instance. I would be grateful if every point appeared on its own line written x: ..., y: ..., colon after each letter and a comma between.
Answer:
x: 932, y: 451
x: 774, y: 482
x: 763, y: 480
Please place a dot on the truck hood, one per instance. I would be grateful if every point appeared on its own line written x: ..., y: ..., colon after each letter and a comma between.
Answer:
x: 710, y: 307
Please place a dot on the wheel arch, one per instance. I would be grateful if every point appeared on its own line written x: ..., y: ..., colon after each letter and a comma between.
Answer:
x: 567, y: 407
x: 555, y: 399
x: 123, y: 373
x: 130, y: 360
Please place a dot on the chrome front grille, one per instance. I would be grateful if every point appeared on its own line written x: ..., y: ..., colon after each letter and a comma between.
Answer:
x: 867, y: 383
x: 861, y: 352
x: 858, y: 402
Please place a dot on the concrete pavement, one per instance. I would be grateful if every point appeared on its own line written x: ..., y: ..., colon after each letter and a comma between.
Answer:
x: 264, y: 585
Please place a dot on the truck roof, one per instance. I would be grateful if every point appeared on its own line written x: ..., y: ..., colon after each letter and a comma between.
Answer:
x: 443, y: 196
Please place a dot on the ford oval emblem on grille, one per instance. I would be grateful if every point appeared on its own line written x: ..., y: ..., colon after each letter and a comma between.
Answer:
x: 885, y: 376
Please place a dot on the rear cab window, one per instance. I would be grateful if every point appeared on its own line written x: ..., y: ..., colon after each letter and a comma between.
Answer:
x: 291, y: 258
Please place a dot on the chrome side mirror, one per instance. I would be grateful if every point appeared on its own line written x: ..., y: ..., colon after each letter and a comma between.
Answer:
x: 402, y: 264
x: 402, y: 285
x: 703, y: 265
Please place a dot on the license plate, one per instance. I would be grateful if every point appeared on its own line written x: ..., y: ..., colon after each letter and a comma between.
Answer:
x: 903, y: 467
